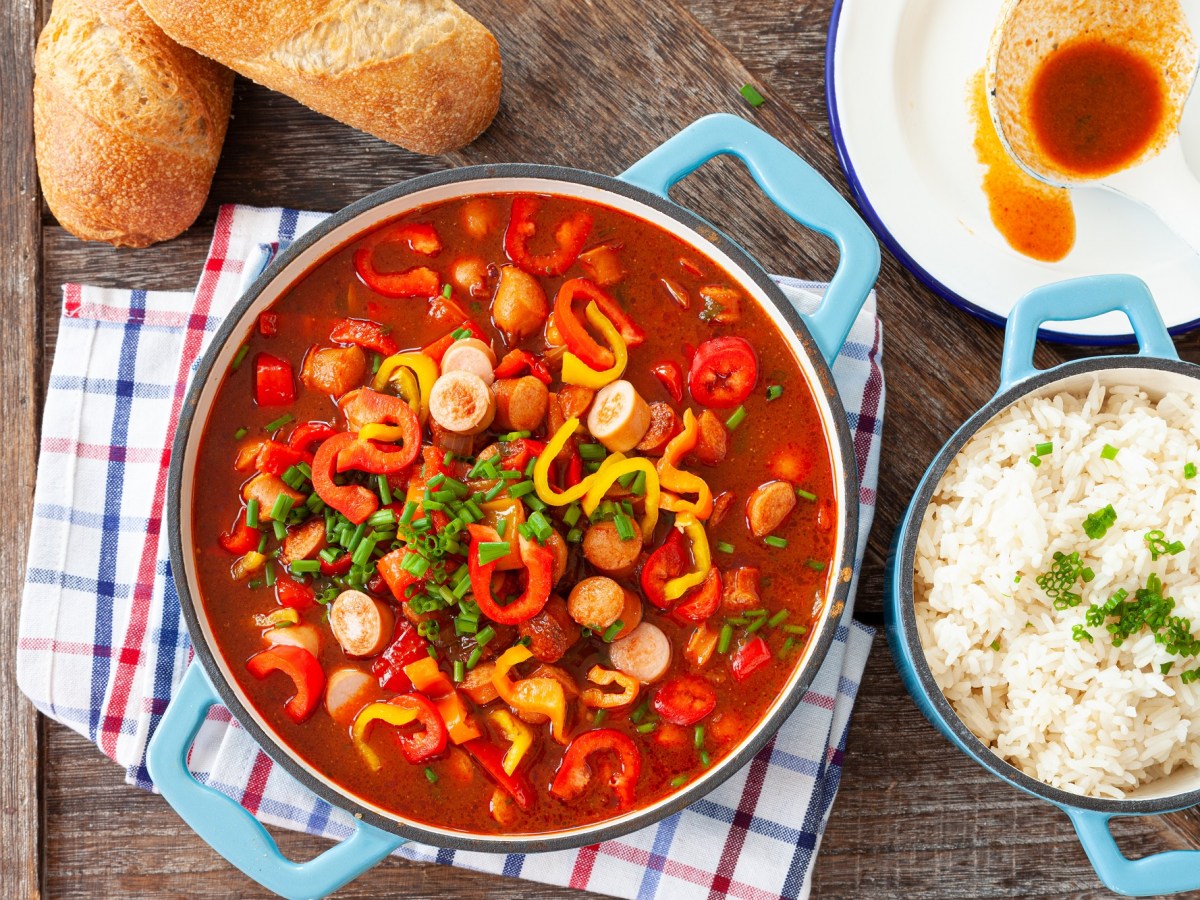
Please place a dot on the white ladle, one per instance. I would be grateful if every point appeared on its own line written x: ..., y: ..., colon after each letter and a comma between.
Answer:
x: 1029, y: 30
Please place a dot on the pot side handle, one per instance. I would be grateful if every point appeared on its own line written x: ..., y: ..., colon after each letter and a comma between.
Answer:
x: 229, y: 828
x: 797, y: 189
x: 1163, y: 873
x: 1081, y: 298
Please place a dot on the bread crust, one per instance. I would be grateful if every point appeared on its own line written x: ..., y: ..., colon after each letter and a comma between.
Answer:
x: 128, y: 125
x: 422, y: 74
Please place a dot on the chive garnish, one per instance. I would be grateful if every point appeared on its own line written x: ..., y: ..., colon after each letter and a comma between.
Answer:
x: 612, y: 631
x: 1035, y: 460
x: 1044, y: 449
x: 305, y: 566
x: 816, y: 565
x: 739, y: 416
x: 592, y: 452
x: 725, y: 638
x: 239, y: 356
x: 276, y: 424
x: 385, y: 490
x: 751, y: 95
x: 772, y: 540
x: 446, y: 292
x: 705, y: 759
x: 778, y: 619
x: 242, y: 432
x: 698, y: 739
x: 679, y: 781
x: 1189, y: 470
x: 774, y: 392
x: 430, y: 775
x: 600, y: 716
x: 1097, y: 524
x: 725, y: 546
x: 1109, y: 452
x: 252, y: 513
x: 647, y: 727
x: 805, y: 495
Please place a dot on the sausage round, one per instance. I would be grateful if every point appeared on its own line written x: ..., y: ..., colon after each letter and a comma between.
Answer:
x: 551, y: 632
x: 520, y: 403
x: 596, y: 602
x: 768, y: 506
x: 604, y: 549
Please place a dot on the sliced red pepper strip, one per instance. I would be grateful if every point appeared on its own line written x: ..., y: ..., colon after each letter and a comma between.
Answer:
x: 406, y: 647
x: 308, y: 433
x: 750, y: 657
x: 300, y: 666
x: 353, y: 501
x: 491, y: 759
x: 339, y: 566
x: 366, y: 334
x: 374, y: 456
x: 276, y: 458
x: 423, y: 745
x: 685, y: 700
x: 515, y: 455
x: 268, y: 324
x: 569, y: 235
x: 518, y: 362
x: 241, y: 539
x: 667, y: 562
x: 573, y: 474
x: 419, y: 281
x: 294, y: 594
x: 274, y: 384
x: 703, y: 601
x: 671, y: 376
x: 438, y: 348
x: 574, y: 773
x: 539, y: 566
x: 577, y: 338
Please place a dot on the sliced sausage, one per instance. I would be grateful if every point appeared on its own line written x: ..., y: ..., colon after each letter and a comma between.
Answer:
x: 554, y: 416
x: 741, y: 590
x: 603, y: 264
x: 604, y: 549
x: 520, y: 306
x: 470, y: 275
x: 552, y: 632
x: 470, y: 355
x: 266, y: 488
x: 334, y: 370
x: 644, y: 654
x: 721, y: 505
x: 304, y: 542
x: 462, y: 402
x: 479, y: 217
x: 596, y: 602
x: 768, y: 506
x: 712, y: 440
x: 664, y: 425
x: 347, y: 691
x: 619, y: 417
x: 361, y: 624
x: 304, y: 636
x: 520, y: 403
x: 477, y: 684
x: 631, y: 614
x: 574, y: 399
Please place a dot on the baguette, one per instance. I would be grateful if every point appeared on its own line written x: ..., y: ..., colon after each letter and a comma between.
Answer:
x: 128, y: 125
x: 422, y: 74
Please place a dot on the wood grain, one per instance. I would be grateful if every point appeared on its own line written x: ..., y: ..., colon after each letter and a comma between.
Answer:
x: 593, y: 85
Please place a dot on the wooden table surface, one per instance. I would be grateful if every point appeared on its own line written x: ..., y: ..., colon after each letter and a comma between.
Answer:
x: 590, y: 84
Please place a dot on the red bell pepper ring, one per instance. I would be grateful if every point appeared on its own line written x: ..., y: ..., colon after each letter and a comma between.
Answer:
x: 276, y: 458
x: 306, y: 434
x: 421, y: 237
x: 241, y: 539
x: 300, y: 666
x: 293, y: 594
x: 576, y: 336
x: 491, y: 759
x: 423, y: 745
x: 438, y: 348
x: 669, y: 561
x: 702, y: 602
x: 406, y: 647
x: 380, y: 458
x: 366, y: 334
x: 353, y: 501
x: 539, y: 567
x: 671, y: 376
x: 274, y: 384
x: 373, y: 457
x: 574, y: 773
x: 685, y: 700
x: 419, y: 281
x: 518, y: 362
x: 569, y: 237
x: 750, y: 657
x: 268, y: 324
x: 515, y: 455
x: 339, y: 566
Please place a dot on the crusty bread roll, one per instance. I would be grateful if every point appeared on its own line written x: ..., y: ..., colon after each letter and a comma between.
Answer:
x: 419, y: 73
x: 128, y: 124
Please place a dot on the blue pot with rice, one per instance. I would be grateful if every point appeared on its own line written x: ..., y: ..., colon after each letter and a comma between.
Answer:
x: 1043, y: 590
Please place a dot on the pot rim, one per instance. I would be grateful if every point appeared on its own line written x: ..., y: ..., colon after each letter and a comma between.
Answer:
x: 904, y: 563
x: 560, y: 180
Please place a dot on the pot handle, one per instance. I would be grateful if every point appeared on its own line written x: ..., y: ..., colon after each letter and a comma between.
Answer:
x: 796, y: 188
x: 229, y: 828
x: 1163, y: 873
x: 1081, y: 298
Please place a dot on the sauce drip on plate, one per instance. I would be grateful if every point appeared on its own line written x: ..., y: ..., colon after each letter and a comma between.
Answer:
x: 1095, y: 106
x: 1036, y: 219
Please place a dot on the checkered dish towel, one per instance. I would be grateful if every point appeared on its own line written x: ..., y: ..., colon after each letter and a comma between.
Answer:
x: 101, y: 645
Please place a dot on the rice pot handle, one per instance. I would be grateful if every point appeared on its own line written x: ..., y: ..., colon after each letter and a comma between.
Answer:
x: 229, y: 828
x: 1163, y: 873
x: 797, y: 189
x: 1081, y: 298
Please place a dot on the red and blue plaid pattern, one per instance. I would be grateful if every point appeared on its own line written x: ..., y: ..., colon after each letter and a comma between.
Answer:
x: 101, y: 644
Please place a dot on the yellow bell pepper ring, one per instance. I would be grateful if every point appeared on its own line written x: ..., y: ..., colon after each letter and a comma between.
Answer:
x: 675, y: 479
x: 378, y: 712
x: 701, y: 557
x: 541, y: 469
x: 607, y: 475
x: 519, y: 737
x: 422, y: 366
x: 538, y: 695
x: 598, y: 699
x: 576, y: 371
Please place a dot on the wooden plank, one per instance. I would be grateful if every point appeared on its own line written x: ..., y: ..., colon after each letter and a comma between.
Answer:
x: 20, y: 403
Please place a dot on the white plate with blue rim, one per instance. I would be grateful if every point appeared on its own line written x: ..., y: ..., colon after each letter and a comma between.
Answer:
x: 897, y: 76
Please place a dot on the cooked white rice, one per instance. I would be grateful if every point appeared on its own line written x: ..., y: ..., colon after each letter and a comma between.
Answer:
x: 1085, y: 717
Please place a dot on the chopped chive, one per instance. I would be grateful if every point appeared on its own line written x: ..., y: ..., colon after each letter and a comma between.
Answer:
x: 262, y: 544
x: 739, y: 416
x: 501, y: 527
x: 534, y: 503
x: 329, y: 554
x: 705, y: 759
x: 362, y: 553
x: 640, y: 713
x: 795, y: 629
x: 571, y: 516
x: 529, y: 467
x: 279, y: 529
x: 254, y: 585
x: 773, y: 540
x: 385, y: 490
x: 495, y: 490
x: 624, y: 527
x: 755, y: 613
x: 751, y: 95
x: 679, y: 781
x: 574, y: 536
x: 805, y: 495
x: 305, y: 566
x: 410, y: 510
x: 725, y: 546
x: 816, y: 565
x: 1035, y: 461
x: 612, y: 631
x: 627, y: 479
x: 647, y: 727
x: 474, y: 658
x: 1189, y: 470
x: 519, y: 490
x: 242, y: 432
x: 490, y: 551
x: 1044, y: 449
x: 446, y: 292
x: 1166, y: 667
x: 512, y: 436
x: 269, y: 573
x: 787, y: 647
x: 484, y: 636
x: 281, y: 507
x: 276, y: 424
x: 756, y: 624
x: 436, y: 481
x: 1109, y: 452
x: 376, y: 360
x: 448, y: 458
x: 239, y: 356
x: 430, y: 775
x: 725, y: 639
x: 698, y: 739
x: 778, y: 619
x: 252, y: 513
x: 638, y: 488
x: 592, y: 452
x: 381, y: 518
x: 774, y: 392
x: 458, y: 333
x: 601, y: 715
